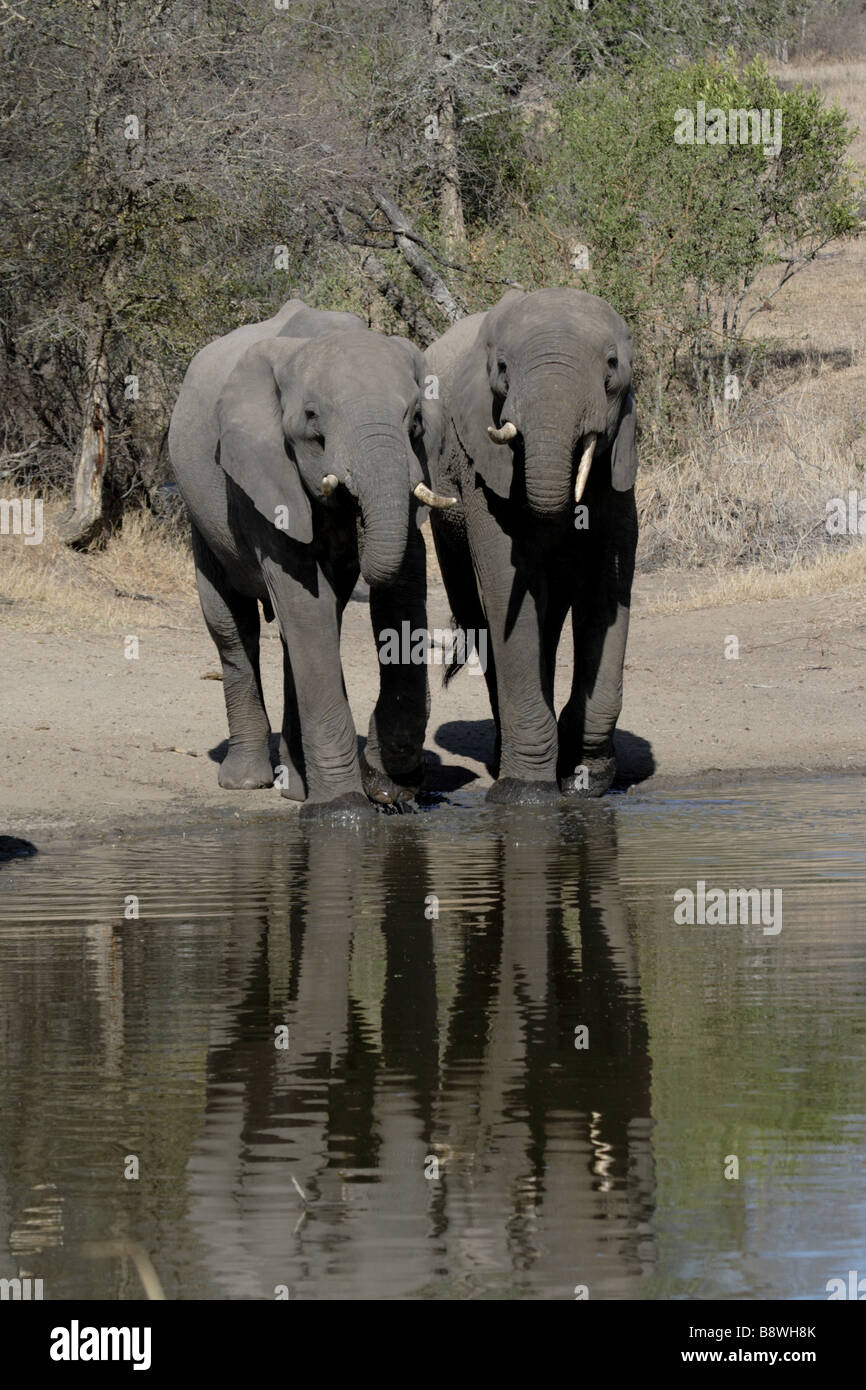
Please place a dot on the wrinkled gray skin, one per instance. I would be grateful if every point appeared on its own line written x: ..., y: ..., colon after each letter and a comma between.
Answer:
x: 557, y: 364
x: 263, y: 415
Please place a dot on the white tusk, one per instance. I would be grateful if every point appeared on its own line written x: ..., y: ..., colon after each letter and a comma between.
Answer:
x: 330, y: 483
x: 432, y: 499
x: 502, y: 436
x: 585, y: 465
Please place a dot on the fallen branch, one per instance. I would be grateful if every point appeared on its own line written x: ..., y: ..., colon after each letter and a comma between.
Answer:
x: 417, y: 322
x: 374, y: 229
x: 407, y: 245
x: 419, y: 325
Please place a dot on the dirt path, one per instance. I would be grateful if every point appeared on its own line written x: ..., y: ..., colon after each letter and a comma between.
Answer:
x: 92, y: 741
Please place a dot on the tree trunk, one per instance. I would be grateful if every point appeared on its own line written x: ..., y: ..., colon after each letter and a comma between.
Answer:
x: 82, y: 522
x: 450, y: 200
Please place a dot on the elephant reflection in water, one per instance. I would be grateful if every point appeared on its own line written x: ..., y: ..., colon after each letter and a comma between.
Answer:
x: 432, y: 1126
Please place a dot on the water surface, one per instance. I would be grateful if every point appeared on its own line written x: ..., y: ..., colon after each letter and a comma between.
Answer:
x: 431, y: 1129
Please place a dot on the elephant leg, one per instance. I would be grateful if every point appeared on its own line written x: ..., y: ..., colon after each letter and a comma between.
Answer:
x: 309, y: 618
x: 291, y: 747
x: 392, y: 765
x: 233, y: 622
x: 587, y: 764
x: 461, y: 586
x: 515, y: 612
x: 558, y: 604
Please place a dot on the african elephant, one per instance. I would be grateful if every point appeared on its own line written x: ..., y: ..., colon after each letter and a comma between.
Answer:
x: 302, y: 447
x: 533, y: 391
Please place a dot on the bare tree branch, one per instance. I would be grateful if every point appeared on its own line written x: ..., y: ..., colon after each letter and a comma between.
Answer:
x: 419, y: 325
x: 407, y: 245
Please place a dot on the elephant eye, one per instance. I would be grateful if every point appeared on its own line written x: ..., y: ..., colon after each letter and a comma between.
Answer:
x: 312, y: 428
x: 416, y: 429
x: 612, y: 361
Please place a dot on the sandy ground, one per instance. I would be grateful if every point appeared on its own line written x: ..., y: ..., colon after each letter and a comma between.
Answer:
x: 92, y: 742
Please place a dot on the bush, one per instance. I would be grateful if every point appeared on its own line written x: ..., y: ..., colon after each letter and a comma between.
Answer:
x: 678, y: 232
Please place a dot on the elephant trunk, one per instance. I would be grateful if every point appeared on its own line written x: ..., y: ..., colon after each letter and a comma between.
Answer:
x: 549, y: 474
x: 564, y: 409
x: 385, y: 531
x: 378, y: 475
x: 558, y: 455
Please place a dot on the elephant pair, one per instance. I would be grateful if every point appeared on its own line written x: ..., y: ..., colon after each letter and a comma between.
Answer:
x: 304, y: 447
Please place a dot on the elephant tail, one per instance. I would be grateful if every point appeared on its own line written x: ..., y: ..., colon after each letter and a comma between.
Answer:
x: 459, y: 652
x: 469, y: 643
x: 468, y: 621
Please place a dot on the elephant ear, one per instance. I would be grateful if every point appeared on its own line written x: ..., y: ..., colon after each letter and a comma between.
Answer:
x: 431, y: 409
x: 623, y: 455
x: 472, y: 412
x: 252, y: 440
x: 434, y: 434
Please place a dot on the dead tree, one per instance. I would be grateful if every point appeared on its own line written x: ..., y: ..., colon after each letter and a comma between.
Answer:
x: 450, y: 199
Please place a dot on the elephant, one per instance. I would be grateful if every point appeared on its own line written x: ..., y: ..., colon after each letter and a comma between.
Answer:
x: 533, y: 391
x: 302, y: 447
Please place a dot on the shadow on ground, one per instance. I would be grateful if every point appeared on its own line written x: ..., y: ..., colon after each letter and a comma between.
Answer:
x: 634, y: 759
x: 475, y: 739
x: 219, y: 752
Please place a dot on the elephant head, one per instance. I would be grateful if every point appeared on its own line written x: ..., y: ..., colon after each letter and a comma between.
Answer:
x: 548, y: 391
x: 310, y: 422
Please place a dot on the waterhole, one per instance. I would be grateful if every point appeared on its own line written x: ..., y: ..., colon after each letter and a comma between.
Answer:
x: 473, y: 1053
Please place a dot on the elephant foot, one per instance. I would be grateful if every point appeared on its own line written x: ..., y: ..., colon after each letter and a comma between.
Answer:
x: 244, y: 769
x: 385, y: 790
x: 591, y: 778
x: 288, y: 778
x: 350, y: 808
x: 512, y: 791
x: 294, y: 789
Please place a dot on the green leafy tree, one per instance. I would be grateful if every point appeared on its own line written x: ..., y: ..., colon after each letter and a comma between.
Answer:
x: 678, y: 232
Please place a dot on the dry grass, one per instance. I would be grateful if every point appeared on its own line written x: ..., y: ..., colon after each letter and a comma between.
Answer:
x: 756, y: 492
x: 64, y: 590
x: 835, y: 572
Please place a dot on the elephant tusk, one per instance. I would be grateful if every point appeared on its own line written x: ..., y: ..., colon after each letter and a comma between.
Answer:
x: 432, y: 499
x: 502, y: 436
x: 330, y: 483
x: 585, y: 465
